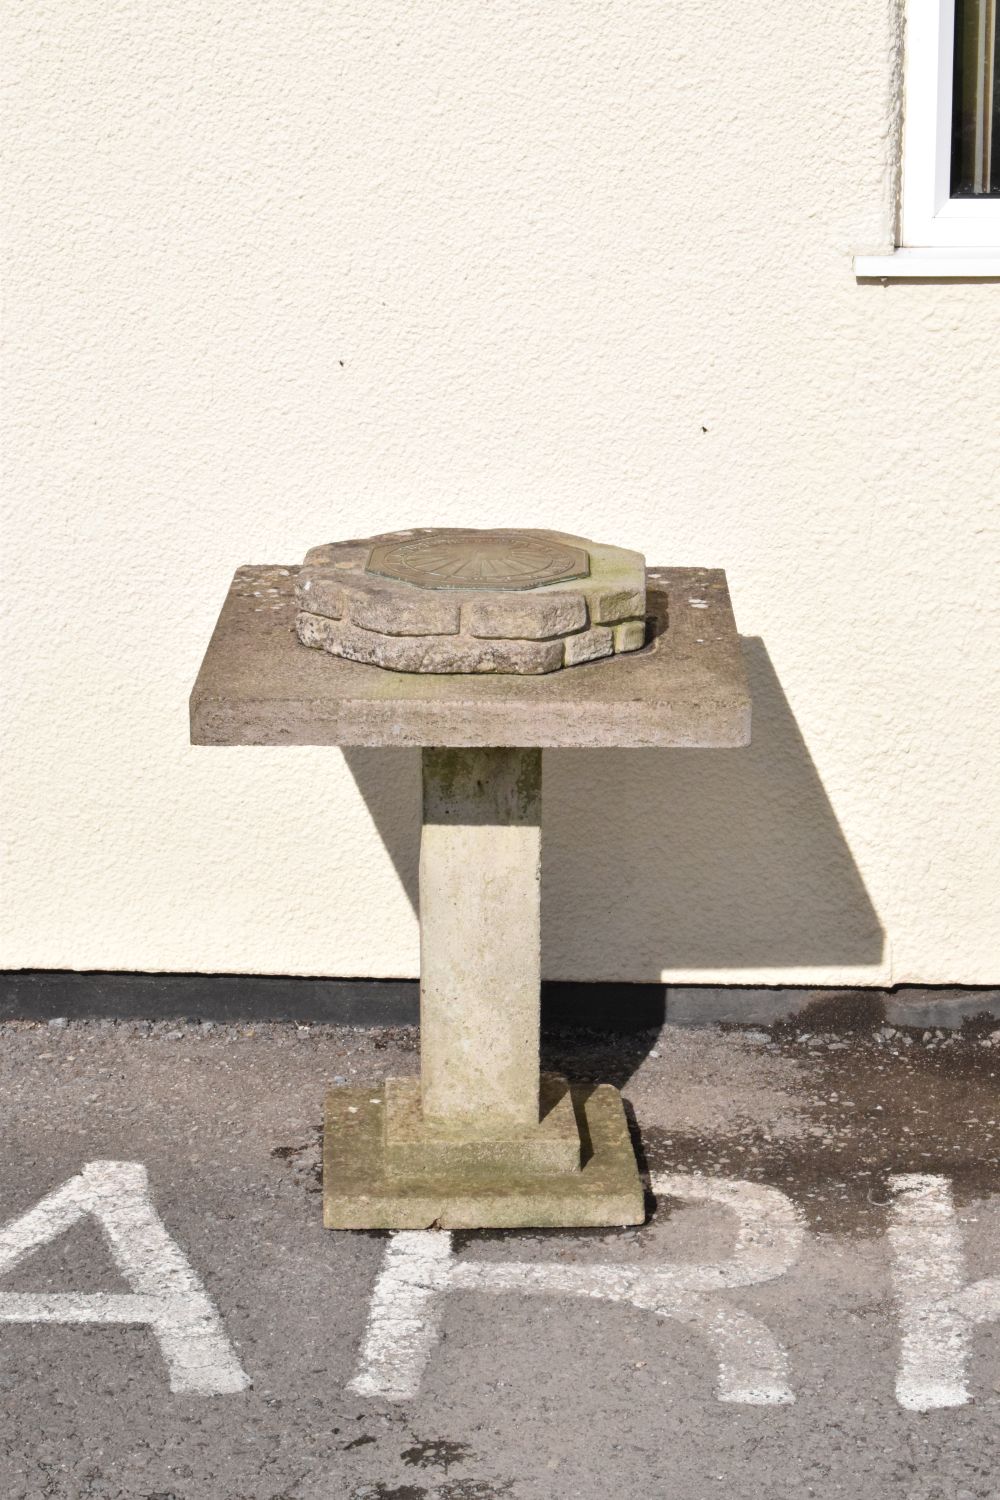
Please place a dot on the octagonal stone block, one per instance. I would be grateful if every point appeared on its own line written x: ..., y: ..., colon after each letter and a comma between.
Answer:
x: 440, y: 599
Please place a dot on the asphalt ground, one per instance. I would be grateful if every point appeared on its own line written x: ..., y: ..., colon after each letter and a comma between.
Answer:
x: 865, y: 1164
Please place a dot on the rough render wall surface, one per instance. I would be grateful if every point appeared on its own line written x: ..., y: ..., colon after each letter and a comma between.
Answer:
x: 287, y: 273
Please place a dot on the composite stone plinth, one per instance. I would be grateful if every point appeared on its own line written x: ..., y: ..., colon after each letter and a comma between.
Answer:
x: 480, y: 1140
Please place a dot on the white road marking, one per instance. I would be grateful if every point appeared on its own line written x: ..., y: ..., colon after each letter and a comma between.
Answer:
x: 406, y: 1305
x: 402, y: 1326
x: 167, y: 1294
x: 938, y: 1309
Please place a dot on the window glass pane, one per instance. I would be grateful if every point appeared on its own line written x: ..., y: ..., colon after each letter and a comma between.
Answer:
x: 975, y: 130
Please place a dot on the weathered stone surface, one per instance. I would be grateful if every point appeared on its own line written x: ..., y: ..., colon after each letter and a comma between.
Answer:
x: 415, y: 1144
x: 588, y: 645
x: 630, y: 635
x: 481, y: 1139
x: 505, y: 587
x: 612, y: 605
x: 428, y: 653
x: 373, y: 604
x: 347, y: 557
x: 532, y: 618
x: 360, y: 1191
x: 686, y: 687
x: 480, y: 935
x: 321, y: 595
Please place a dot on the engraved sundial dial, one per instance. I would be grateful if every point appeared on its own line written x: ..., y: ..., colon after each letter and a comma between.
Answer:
x: 450, y: 599
x: 453, y: 559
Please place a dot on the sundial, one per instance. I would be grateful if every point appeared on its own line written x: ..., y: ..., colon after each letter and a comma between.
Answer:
x: 453, y: 559
x: 440, y: 599
x: 480, y: 648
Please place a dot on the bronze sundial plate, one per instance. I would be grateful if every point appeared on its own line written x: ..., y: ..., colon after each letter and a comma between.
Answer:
x: 444, y: 600
x: 456, y: 559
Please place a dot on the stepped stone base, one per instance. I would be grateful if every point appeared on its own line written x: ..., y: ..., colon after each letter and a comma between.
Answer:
x: 491, y: 1146
x: 363, y: 1189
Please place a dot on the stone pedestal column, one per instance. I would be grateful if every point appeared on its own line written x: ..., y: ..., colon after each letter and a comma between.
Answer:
x: 480, y: 868
x: 482, y: 1137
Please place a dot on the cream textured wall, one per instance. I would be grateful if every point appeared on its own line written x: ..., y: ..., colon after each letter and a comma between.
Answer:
x: 286, y: 272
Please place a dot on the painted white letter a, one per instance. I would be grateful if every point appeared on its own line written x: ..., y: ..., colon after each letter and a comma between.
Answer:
x: 166, y: 1295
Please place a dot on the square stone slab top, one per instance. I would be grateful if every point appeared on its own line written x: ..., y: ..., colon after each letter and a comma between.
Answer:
x: 258, y: 684
x: 362, y: 1191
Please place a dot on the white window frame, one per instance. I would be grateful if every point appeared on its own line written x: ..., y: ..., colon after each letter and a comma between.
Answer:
x: 940, y: 235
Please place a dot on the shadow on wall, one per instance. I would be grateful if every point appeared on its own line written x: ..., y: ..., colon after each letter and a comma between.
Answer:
x: 674, y: 859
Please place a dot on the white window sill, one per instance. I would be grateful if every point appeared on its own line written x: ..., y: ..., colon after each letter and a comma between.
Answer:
x: 979, y: 260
